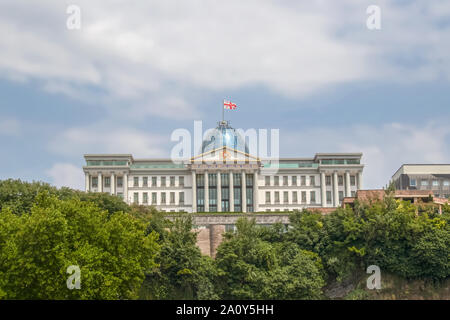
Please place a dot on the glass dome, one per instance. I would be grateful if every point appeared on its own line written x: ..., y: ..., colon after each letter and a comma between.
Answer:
x: 223, y: 135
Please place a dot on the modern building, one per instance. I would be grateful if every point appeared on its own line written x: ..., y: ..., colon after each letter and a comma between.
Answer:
x: 433, y: 177
x: 224, y: 177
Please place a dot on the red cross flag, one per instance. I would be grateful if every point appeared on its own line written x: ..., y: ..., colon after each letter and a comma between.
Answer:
x: 229, y: 105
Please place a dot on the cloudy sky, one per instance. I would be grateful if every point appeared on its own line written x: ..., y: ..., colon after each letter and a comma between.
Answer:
x: 137, y: 70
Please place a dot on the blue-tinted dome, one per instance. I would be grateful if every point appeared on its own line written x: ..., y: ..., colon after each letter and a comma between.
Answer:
x: 224, y: 135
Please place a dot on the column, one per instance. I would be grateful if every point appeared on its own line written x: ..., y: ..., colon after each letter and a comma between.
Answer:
x: 194, y: 192
x: 255, y: 191
x: 87, y: 181
x: 219, y: 192
x: 348, y: 192
x: 360, y: 180
x: 335, y: 188
x: 323, y: 189
x: 206, y: 192
x: 244, y: 193
x: 231, y: 192
x: 125, y: 187
x: 113, y: 184
x: 100, y: 182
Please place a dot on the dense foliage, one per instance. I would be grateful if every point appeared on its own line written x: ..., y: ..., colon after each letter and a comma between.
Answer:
x: 128, y: 252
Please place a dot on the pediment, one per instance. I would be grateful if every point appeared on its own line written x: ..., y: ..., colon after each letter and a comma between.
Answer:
x: 224, y: 154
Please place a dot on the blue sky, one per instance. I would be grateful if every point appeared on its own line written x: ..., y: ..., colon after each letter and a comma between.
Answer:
x: 134, y: 73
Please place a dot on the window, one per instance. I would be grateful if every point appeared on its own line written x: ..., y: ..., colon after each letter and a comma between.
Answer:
x: 313, y: 197
x: 329, y: 197
x: 446, y: 183
x: 145, y: 197
x: 154, y: 184
x: 94, y: 182
x: 181, y: 200
x: 303, y: 180
x: 163, y: 198
x: 136, y: 181
x: 181, y: 181
x: 172, y: 181
x: 353, y: 180
x: 107, y: 182
x: 294, y: 180
x: 353, y: 194
x: 424, y: 183
x: 276, y: 180
x: 435, y: 183
x: 303, y: 196
x: 163, y: 181
x: 341, y: 195
x: 172, y: 197
x: 340, y: 180
x: 267, y: 178
x: 268, y: 197
x: 119, y: 182
x: 249, y: 180
x: 286, y: 197
x: 145, y: 181
x: 312, y: 181
x: 285, y: 180
x: 277, y: 197
x: 237, y: 179
x: 154, y: 198
x: 136, y: 197
x: 294, y: 197
x: 224, y: 180
x: 120, y: 195
x: 412, y: 182
x: 328, y: 180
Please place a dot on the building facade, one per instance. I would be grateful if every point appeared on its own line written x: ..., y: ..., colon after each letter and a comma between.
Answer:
x: 433, y: 177
x: 224, y: 177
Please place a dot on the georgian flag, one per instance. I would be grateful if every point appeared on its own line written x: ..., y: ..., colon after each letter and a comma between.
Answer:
x: 229, y: 105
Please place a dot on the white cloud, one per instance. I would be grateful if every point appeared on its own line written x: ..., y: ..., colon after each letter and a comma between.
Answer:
x: 150, y: 54
x: 385, y: 148
x: 66, y: 175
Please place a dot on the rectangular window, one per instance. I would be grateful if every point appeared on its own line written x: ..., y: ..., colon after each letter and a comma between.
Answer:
x: 353, y: 194
x: 294, y: 180
x: 145, y: 197
x: 353, y: 180
x: 341, y: 195
x: 435, y: 183
x: 286, y: 197
x: 145, y: 181
x: 120, y: 195
x: 181, y: 200
x: 154, y: 184
x: 154, y: 198
x: 268, y: 197
x: 107, y: 182
x: 412, y: 182
x: 340, y: 180
x: 172, y: 197
x: 249, y: 180
x: 303, y: 196
x: 446, y: 183
x: 294, y: 197
x: 136, y: 197
x: 94, y: 182
x: 313, y: 197
x: 267, y: 179
x: 276, y: 180
x: 212, y: 180
x: 312, y: 181
x: 328, y: 180
x: 303, y: 180
x: 225, y: 179
x: 277, y: 197
x: 285, y: 180
x: 329, y: 197
x: 163, y: 181
x: 119, y: 182
x: 237, y: 179
x: 424, y: 183
x: 172, y: 181
x: 136, y: 181
x: 181, y: 181
x: 163, y: 198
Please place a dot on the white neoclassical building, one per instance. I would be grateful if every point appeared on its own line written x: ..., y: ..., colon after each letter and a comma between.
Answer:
x: 224, y: 177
